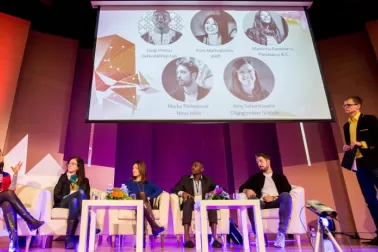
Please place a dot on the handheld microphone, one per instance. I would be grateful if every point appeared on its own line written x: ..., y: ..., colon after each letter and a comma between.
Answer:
x: 320, y: 209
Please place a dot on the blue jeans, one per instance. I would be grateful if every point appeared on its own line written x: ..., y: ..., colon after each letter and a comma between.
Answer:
x: 284, y: 203
x: 368, y: 180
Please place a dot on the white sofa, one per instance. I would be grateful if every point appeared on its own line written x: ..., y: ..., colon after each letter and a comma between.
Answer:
x: 223, y: 227
x: 123, y: 222
x: 33, y: 199
x: 270, y: 217
x: 56, y: 218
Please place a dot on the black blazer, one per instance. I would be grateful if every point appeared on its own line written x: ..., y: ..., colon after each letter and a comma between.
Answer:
x: 179, y: 94
x: 367, y: 130
x: 256, y: 183
x: 186, y: 185
x: 62, y: 188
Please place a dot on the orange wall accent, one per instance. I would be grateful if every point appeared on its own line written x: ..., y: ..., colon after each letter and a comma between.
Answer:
x: 42, y: 102
x: 372, y: 30
x: 13, y: 37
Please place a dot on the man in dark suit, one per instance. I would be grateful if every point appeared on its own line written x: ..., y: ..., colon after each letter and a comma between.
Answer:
x: 361, y: 136
x: 273, y: 190
x: 186, y: 77
x: 189, y: 187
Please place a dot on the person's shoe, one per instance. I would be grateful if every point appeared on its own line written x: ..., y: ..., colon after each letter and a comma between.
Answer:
x: 373, y: 242
x: 69, y: 242
x: 35, y: 224
x: 156, y: 231
x: 189, y: 244
x: 280, y: 240
x: 216, y: 244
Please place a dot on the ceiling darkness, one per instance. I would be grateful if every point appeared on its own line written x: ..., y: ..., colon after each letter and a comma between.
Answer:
x: 76, y: 19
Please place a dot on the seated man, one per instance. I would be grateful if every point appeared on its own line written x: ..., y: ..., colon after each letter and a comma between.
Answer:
x: 189, y: 187
x: 273, y: 190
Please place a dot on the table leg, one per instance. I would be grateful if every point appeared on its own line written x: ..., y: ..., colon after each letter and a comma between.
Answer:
x: 243, y: 215
x: 197, y: 218
x: 92, y: 230
x: 259, y: 228
x: 204, y: 223
x: 83, y: 227
x: 139, y: 227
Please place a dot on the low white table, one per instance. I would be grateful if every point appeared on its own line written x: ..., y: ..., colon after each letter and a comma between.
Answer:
x: 242, y: 205
x: 89, y: 206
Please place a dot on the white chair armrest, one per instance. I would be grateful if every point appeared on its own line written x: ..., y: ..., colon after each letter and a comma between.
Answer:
x: 298, y: 215
x: 163, y: 203
x: 46, y: 211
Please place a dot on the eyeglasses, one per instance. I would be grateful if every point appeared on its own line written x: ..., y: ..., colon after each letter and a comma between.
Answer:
x: 71, y: 164
x: 348, y: 105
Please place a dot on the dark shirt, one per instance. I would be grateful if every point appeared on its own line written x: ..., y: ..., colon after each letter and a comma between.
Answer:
x: 256, y: 183
x: 62, y: 189
x: 179, y: 94
x: 149, y: 188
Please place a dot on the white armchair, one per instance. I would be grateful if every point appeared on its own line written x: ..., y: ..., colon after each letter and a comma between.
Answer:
x: 223, y: 227
x: 33, y: 200
x: 56, y: 218
x: 123, y: 222
x: 270, y: 217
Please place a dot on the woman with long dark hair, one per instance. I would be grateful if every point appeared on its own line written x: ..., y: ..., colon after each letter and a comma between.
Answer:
x: 265, y: 31
x: 72, y: 188
x: 216, y: 31
x: 245, y: 82
x: 146, y: 191
x: 11, y: 205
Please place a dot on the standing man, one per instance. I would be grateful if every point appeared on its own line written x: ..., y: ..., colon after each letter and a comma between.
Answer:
x: 188, y: 187
x: 361, y: 135
x: 273, y: 190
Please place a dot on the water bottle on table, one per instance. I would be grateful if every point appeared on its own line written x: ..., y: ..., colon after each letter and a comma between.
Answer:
x: 109, y: 188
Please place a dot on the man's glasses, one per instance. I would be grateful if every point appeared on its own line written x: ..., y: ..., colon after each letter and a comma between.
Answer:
x: 348, y: 105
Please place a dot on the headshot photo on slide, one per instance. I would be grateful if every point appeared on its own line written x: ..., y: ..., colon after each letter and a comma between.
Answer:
x: 160, y: 27
x: 249, y: 79
x: 187, y: 79
x: 213, y: 27
x: 265, y: 27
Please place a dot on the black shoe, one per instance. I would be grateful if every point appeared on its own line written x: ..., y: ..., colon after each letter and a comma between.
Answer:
x: 33, y: 225
x: 70, y: 242
x: 216, y: 244
x: 157, y: 231
x: 373, y: 242
x: 189, y: 244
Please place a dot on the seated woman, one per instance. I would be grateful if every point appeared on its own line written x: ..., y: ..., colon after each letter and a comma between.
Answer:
x: 11, y: 205
x: 71, y: 189
x: 147, y: 191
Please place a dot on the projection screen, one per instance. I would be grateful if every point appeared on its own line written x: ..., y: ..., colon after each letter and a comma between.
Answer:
x: 204, y: 64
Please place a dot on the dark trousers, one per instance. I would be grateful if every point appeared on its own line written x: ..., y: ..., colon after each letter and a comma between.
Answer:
x: 284, y: 203
x: 187, y: 210
x: 368, y: 180
x: 73, y: 203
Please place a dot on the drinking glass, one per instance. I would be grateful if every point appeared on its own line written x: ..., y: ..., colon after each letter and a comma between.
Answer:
x: 95, y: 196
x: 133, y: 196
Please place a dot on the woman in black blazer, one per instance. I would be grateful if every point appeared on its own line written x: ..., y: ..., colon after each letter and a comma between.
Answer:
x: 72, y: 188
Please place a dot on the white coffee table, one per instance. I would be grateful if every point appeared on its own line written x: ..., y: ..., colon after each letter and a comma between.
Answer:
x: 89, y: 206
x: 242, y: 205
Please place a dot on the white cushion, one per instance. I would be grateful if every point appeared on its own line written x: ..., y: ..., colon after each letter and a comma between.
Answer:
x: 131, y: 214
x: 59, y: 213
x: 272, y: 213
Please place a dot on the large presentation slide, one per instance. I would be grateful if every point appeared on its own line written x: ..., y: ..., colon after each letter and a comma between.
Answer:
x: 213, y: 64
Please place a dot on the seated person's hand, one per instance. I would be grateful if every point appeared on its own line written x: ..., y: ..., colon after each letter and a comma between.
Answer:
x: 249, y: 192
x: 186, y: 196
x: 269, y: 198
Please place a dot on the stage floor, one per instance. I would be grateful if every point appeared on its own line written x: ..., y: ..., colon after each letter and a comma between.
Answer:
x: 170, y: 245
